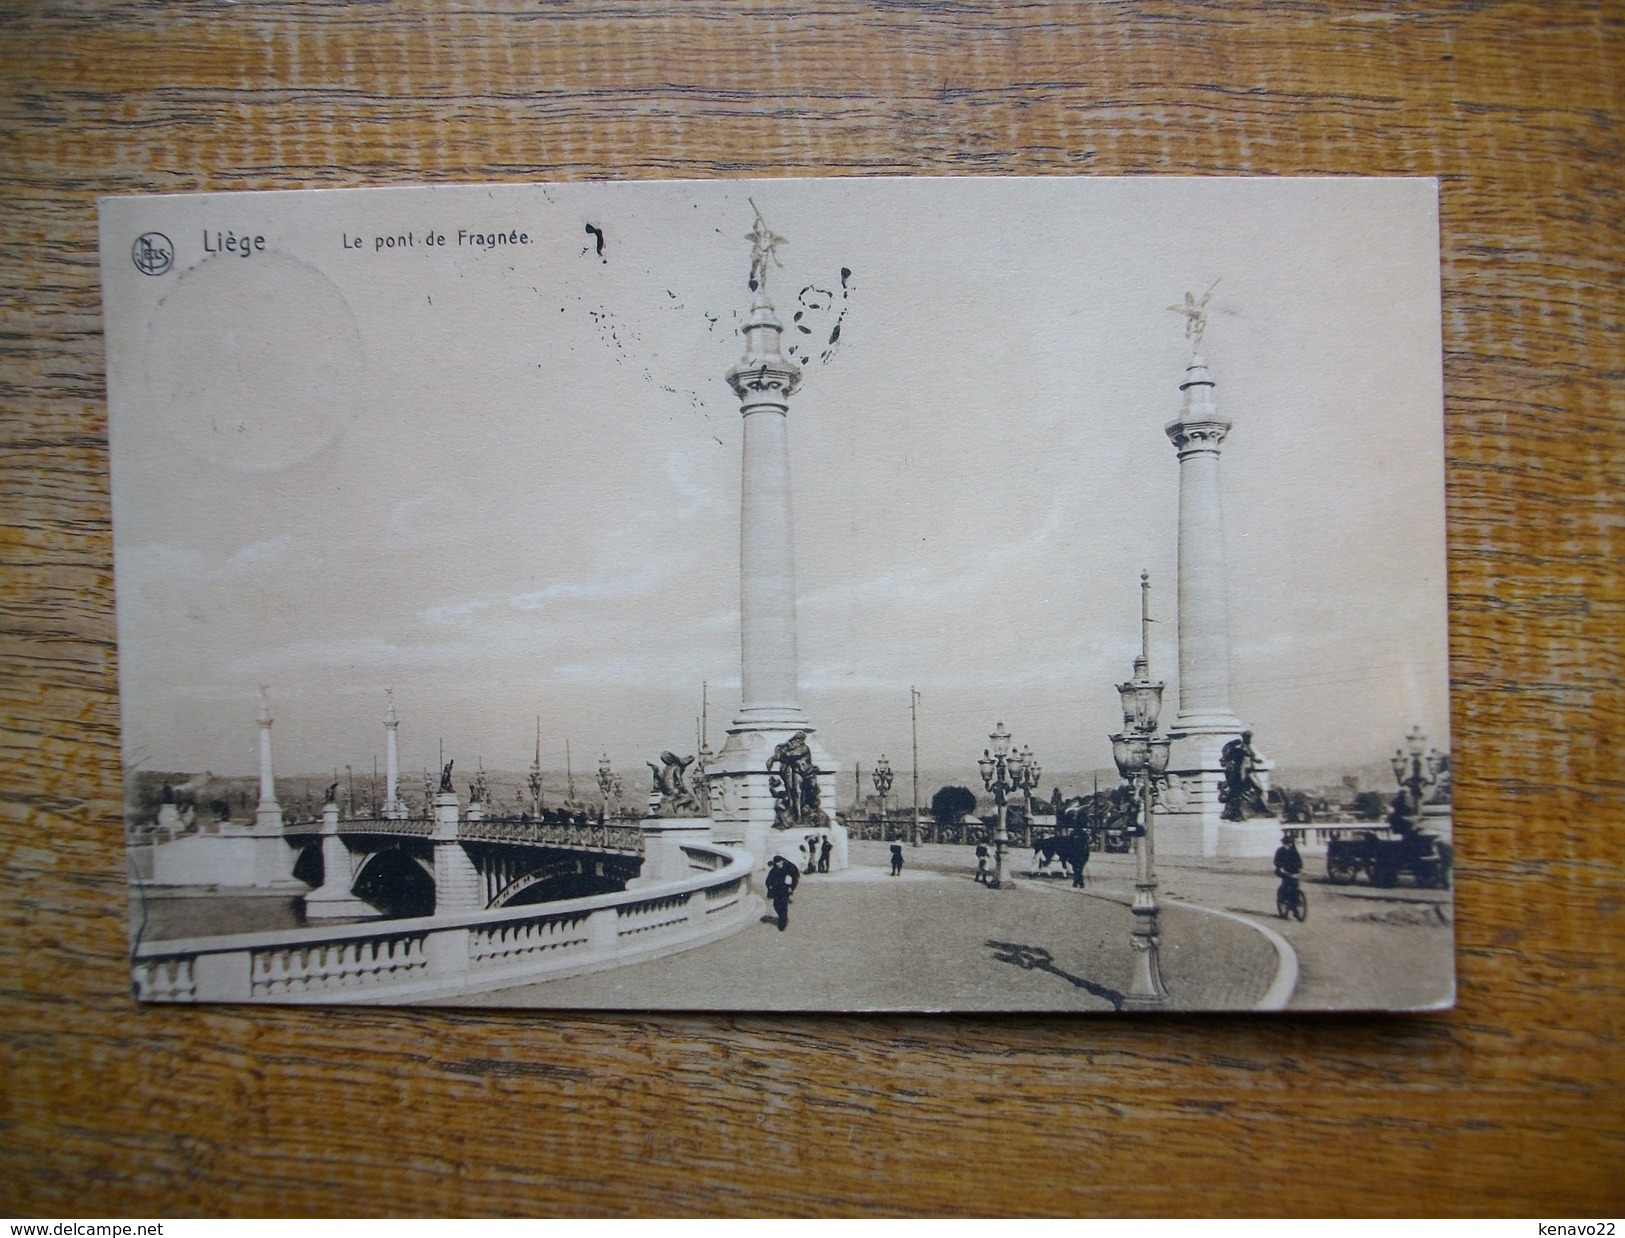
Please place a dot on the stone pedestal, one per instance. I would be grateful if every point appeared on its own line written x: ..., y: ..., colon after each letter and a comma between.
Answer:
x: 273, y: 857
x: 333, y: 900
x: 663, y: 856
x: 1189, y: 813
x: 457, y: 885
x: 742, y: 806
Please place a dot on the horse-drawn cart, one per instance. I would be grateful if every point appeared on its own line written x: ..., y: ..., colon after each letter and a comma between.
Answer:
x: 1383, y: 855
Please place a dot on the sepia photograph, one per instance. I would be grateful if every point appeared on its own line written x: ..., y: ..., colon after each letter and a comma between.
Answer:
x: 936, y: 594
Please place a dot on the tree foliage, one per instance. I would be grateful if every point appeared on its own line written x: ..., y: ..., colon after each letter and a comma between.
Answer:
x: 950, y: 804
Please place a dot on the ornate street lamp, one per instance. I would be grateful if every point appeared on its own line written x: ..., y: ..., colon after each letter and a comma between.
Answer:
x: 1416, y: 768
x: 882, y: 776
x: 1003, y: 771
x: 1142, y: 759
x: 606, y: 781
x: 534, y: 782
x: 1031, y: 772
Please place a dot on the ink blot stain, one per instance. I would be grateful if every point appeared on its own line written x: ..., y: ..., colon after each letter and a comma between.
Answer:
x: 598, y: 238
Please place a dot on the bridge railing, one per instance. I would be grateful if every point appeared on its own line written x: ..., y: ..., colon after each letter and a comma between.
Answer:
x: 417, y: 827
x: 609, y: 836
x: 432, y: 957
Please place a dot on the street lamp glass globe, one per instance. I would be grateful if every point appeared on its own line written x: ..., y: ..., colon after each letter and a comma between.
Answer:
x: 1001, y: 740
x: 1160, y: 746
x: 1128, y: 754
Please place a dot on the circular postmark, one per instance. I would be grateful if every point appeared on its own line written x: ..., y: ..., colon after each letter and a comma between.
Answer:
x: 153, y: 253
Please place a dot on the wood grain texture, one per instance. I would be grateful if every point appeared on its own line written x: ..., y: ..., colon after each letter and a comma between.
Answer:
x: 1513, y: 1103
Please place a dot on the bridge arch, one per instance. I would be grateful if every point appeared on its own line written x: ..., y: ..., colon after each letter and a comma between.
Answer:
x: 396, y: 882
x: 555, y: 878
x: 308, y: 865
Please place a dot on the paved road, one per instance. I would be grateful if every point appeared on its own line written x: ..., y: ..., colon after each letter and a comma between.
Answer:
x: 861, y: 940
x: 932, y: 939
x: 1360, y: 948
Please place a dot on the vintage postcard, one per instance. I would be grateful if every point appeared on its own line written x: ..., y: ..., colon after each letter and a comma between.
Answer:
x: 983, y: 594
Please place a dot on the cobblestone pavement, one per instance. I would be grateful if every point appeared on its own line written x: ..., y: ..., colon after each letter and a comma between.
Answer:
x: 933, y: 939
x: 1359, y: 948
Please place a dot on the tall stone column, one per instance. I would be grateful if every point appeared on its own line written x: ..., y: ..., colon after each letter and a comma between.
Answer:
x: 1191, y: 822
x: 1204, y: 618
x: 764, y: 381
x: 770, y: 713
x: 392, y: 761
x: 269, y: 812
x: 273, y: 858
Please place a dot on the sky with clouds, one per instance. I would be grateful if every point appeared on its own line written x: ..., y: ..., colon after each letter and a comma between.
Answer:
x: 504, y: 479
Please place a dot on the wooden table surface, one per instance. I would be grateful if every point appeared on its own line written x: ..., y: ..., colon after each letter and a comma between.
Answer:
x: 1512, y: 1103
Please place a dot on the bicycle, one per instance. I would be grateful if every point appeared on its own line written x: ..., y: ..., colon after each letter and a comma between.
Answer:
x: 1290, y: 900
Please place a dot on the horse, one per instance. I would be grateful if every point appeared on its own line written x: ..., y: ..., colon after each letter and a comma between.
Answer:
x: 1072, y: 850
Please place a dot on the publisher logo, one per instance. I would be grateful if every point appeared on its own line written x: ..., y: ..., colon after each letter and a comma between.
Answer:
x: 153, y: 253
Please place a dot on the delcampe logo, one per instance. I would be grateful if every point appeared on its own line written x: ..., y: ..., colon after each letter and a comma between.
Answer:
x: 153, y: 253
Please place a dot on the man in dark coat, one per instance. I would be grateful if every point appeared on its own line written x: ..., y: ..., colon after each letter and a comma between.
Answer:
x: 781, y: 883
x: 1288, y: 863
x: 824, y: 850
x: 896, y: 859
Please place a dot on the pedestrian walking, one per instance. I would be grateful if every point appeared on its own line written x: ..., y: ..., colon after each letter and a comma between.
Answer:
x: 782, y: 878
x: 981, y: 863
x: 896, y: 859
x: 823, y: 854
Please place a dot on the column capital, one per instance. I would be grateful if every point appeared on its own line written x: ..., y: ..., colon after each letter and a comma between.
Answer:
x: 764, y: 374
x: 1200, y: 427
x: 769, y: 379
x: 1195, y: 437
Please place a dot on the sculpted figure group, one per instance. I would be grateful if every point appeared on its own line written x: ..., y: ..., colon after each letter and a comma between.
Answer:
x: 1243, y: 792
x: 677, y: 798
x: 793, y: 781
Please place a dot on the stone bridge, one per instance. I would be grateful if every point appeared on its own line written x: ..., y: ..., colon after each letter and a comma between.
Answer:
x: 451, y: 863
x: 701, y: 891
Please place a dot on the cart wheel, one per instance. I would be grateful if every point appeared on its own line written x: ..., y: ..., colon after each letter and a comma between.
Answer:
x: 1340, y: 872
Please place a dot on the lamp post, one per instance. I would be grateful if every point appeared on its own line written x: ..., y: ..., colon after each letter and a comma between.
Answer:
x: 1003, y: 771
x: 1142, y: 759
x: 1031, y: 772
x: 606, y: 781
x: 534, y: 782
x: 1416, y: 768
x: 882, y: 776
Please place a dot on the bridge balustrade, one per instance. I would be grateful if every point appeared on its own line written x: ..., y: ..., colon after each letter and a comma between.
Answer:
x: 414, y: 827
x: 608, y: 836
x: 437, y: 957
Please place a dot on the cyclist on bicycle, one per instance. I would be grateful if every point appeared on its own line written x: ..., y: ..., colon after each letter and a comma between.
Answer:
x: 1288, y: 864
